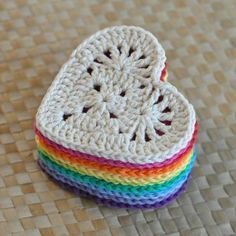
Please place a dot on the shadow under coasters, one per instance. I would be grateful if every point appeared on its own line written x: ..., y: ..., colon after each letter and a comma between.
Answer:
x: 110, y: 127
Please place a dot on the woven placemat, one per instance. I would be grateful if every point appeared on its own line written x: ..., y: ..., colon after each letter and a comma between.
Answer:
x: 36, y: 38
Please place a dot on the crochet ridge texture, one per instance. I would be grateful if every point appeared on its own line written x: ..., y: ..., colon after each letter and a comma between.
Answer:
x: 112, y: 128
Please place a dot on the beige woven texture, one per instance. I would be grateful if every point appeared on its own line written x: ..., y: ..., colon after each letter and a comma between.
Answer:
x: 36, y: 38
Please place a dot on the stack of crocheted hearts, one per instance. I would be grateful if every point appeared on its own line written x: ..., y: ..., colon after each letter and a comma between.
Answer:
x: 110, y: 128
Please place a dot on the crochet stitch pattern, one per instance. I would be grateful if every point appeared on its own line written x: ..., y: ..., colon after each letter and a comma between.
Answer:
x: 111, y: 127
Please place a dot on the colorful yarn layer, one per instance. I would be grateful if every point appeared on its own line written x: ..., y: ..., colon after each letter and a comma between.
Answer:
x: 117, y: 185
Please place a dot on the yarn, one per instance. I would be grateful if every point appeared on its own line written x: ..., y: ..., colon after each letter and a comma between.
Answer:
x: 120, y: 177
x: 112, y: 128
x: 110, y: 177
x: 99, y: 187
x: 111, y: 203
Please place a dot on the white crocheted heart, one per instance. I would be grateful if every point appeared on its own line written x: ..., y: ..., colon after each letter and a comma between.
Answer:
x: 107, y: 100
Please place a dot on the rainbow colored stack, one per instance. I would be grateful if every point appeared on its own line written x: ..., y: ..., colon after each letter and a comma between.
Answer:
x: 91, y: 139
x: 114, y: 182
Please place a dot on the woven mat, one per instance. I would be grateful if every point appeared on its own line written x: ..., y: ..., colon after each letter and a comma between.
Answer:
x: 36, y: 38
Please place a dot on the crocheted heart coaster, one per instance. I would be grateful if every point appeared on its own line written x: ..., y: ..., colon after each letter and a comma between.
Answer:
x: 111, y: 128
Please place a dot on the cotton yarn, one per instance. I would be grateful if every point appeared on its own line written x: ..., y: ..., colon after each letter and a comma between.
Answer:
x: 111, y: 127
